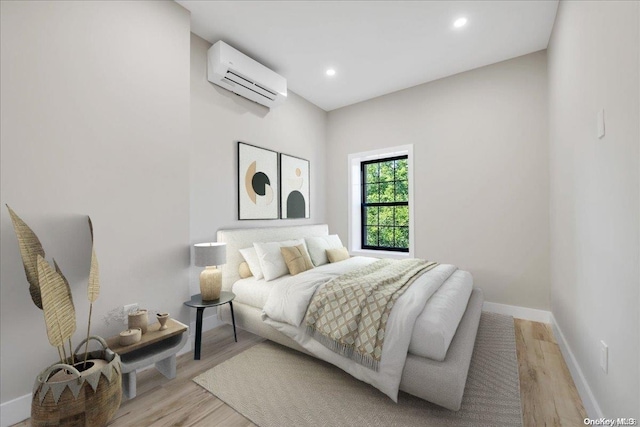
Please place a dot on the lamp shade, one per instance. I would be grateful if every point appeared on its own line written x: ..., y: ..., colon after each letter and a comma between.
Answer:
x: 209, y: 254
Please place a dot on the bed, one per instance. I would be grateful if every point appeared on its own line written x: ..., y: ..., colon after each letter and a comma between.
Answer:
x: 439, y: 381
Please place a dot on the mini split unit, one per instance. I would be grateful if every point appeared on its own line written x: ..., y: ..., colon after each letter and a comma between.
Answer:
x: 235, y: 71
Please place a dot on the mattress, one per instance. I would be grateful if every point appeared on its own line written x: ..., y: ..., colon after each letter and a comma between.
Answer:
x: 434, y: 328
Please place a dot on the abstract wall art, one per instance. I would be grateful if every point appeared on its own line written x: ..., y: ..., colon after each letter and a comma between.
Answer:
x: 294, y: 190
x: 257, y: 182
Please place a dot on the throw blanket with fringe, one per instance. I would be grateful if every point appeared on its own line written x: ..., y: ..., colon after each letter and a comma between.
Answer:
x: 349, y: 314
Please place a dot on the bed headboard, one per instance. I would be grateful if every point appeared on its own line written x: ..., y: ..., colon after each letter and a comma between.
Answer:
x: 240, y: 238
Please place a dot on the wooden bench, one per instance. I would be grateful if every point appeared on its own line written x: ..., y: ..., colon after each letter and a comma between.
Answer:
x: 156, y: 347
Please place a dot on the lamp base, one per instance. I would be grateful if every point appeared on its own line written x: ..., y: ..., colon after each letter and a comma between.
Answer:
x: 210, y: 283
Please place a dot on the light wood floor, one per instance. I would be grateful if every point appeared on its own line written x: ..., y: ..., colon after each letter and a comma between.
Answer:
x: 549, y: 397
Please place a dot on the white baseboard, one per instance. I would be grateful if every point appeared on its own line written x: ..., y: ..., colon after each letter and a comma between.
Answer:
x: 518, y: 312
x: 588, y: 399
x: 16, y: 410
x: 19, y: 409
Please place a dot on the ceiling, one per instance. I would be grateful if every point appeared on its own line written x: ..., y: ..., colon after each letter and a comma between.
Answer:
x: 375, y: 47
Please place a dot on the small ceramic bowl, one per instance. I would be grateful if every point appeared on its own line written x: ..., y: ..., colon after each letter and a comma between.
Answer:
x: 130, y: 336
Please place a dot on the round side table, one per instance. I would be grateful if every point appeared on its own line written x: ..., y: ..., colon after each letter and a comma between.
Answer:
x: 198, y: 303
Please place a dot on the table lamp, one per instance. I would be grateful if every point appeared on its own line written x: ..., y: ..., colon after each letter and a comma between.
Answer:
x: 210, y: 255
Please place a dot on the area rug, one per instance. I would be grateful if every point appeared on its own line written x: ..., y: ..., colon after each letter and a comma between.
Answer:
x: 275, y: 386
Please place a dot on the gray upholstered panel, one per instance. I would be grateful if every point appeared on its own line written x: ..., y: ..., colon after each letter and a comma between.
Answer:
x: 240, y: 238
x: 443, y: 382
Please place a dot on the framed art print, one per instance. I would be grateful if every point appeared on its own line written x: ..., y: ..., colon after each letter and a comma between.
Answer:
x: 294, y: 187
x: 257, y: 182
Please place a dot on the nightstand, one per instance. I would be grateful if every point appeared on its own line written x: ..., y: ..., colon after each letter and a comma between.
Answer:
x: 197, y: 302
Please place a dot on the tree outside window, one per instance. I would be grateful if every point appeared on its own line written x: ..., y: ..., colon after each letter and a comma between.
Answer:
x: 385, y: 204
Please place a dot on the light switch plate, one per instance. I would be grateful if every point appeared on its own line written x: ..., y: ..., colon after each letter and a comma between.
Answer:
x: 601, y: 124
x: 604, y: 356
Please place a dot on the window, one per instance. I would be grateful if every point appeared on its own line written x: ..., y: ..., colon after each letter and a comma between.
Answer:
x: 381, y: 202
x: 385, y: 204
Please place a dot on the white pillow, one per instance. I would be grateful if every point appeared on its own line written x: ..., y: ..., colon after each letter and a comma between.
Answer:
x: 251, y: 257
x: 317, y: 247
x: 271, y: 260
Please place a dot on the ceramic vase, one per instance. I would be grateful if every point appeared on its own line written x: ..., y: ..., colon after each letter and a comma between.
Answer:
x: 139, y: 319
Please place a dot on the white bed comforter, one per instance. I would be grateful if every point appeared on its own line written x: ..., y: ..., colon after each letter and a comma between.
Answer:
x: 288, y: 301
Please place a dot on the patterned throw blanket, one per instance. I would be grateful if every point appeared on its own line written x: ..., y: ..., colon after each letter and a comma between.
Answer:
x: 349, y: 314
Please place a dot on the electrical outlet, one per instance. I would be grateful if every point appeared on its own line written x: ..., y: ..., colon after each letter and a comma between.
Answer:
x: 604, y: 356
x: 130, y: 308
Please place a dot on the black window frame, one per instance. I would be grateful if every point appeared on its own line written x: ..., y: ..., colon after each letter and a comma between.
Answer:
x: 364, y: 205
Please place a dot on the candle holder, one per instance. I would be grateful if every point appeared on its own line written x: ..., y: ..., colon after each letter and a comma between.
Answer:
x: 162, y: 319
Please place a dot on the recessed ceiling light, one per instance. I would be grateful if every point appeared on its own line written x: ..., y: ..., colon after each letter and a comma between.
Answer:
x: 460, y: 22
x: 331, y: 72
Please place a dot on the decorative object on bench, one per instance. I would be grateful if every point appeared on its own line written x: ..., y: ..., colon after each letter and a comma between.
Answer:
x: 162, y: 319
x: 67, y: 400
x: 139, y: 319
x: 210, y: 255
x: 156, y: 347
x: 130, y: 336
x: 257, y: 182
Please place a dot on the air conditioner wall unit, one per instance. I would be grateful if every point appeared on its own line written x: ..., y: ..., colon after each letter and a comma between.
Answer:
x: 235, y: 71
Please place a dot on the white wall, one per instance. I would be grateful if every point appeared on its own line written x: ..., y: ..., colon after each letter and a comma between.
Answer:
x: 481, y: 171
x: 594, y: 186
x: 95, y: 120
x: 219, y: 119
x: 101, y: 116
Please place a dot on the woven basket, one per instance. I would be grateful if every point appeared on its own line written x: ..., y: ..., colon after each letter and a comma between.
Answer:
x: 63, y: 396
